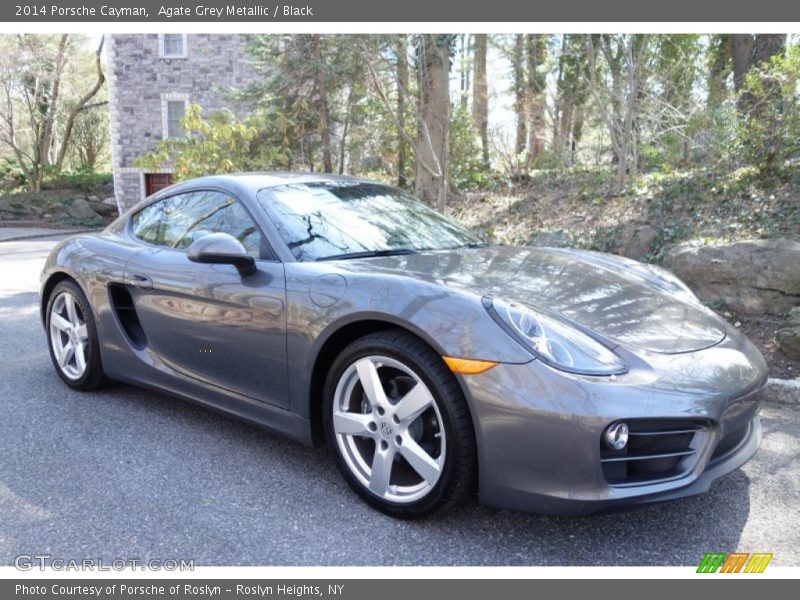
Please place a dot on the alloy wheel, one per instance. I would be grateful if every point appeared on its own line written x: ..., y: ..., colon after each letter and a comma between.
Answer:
x: 389, y: 429
x: 69, y: 336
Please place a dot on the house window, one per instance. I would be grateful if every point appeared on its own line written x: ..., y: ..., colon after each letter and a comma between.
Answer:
x: 173, y: 45
x: 175, y: 111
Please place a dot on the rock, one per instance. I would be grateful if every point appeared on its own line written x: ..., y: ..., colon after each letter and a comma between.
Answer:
x: 551, y: 239
x: 636, y: 240
x: 752, y: 276
x: 788, y: 335
x: 80, y: 208
x: 111, y: 200
x: 784, y: 391
x: 103, y: 209
x: 93, y: 198
x: 57, y: 212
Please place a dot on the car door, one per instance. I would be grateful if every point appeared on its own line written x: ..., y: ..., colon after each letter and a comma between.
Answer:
x: 208, y: 321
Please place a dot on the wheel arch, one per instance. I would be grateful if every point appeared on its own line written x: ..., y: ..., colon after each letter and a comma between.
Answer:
x: 49, y: 285
x: 336, y: 340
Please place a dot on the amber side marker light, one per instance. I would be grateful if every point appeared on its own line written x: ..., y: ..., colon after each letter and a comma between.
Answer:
x: 468, y: 366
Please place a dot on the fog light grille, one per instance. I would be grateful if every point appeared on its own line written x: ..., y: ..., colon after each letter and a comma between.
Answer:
x: 657, y: 449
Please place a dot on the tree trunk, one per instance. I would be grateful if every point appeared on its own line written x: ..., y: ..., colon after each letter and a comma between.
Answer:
x: 565, y: 127
x: 433, y: 119
x: 81, y: 105
x: 48, y: 127
x: 765, y: 46
x: 324, y: 111
x: 401, y: 49
x: 519, y: 93
x: 741, y: 49
x: 760, y: 49
x: 535, y: 55
x: 464, y: 70
x: 718, y: 69
x: 351, y: 99
x: 480, y: 94
x: 558, y: 98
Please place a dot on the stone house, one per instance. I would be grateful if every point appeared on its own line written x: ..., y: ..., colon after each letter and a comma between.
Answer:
x: 151, y: 79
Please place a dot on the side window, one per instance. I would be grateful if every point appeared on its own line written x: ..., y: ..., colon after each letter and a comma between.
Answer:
x: 178, y: 221
x: 146, y: 224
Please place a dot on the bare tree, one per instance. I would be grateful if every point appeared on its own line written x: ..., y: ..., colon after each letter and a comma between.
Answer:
x: 617, y: 96
x: 324, y: 110
x: 480, y: 94
x: 401, y: 51
x: 433, y: 114
x: 433, y: 118
x: 84, y: 103
x: 519, y: 93
x: 465, y: 49
x: 33, y: 106
x: 535, y: 47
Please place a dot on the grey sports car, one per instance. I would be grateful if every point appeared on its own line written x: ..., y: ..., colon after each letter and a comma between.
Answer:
x: 341, y: 310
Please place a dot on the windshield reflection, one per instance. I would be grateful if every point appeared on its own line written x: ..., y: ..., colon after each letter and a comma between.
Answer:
x: 318, y: 220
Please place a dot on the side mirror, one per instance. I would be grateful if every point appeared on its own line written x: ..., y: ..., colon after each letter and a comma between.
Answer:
x: 222, y: 249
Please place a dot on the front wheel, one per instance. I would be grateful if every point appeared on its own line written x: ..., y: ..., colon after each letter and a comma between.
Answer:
x: 399, y: 426
x: 72, y: 336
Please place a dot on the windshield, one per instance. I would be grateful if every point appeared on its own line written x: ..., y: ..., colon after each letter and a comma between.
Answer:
x: 327, y: 219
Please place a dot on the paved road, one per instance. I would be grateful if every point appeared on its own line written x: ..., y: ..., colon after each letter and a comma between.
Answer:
x: 128, y: 473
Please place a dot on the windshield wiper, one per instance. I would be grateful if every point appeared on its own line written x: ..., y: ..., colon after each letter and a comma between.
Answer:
x: 473, y: 245
x: 369, y: 254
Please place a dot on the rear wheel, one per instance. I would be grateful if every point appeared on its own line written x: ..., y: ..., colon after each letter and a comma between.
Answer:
x: 399, y: 425
x: 72, y: 333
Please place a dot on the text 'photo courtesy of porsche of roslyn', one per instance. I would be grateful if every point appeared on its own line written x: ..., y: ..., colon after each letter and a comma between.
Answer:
x: 451, y: 299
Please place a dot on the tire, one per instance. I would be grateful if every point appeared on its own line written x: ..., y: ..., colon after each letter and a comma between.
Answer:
x: 427, y: 445
x: 70, y: 324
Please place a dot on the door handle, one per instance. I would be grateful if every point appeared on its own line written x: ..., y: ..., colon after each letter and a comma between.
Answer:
x: 142, y: 282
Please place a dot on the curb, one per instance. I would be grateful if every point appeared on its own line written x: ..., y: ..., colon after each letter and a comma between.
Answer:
x: 53, y: 233
x: 782, y: 391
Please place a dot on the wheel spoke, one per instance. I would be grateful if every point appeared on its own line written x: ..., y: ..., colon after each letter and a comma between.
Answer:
x: 72, y: 314
x: 347, y: 423
x: 60, y: 322
x: 422, y: 462
x: 81, y: 332
x: 64, y: 354
x: 371, y: 382
x: 381, y: 470
x: 413, y: 403
x: 80, y: 358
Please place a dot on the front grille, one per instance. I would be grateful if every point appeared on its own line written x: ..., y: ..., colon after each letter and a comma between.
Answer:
x: 657, y: 449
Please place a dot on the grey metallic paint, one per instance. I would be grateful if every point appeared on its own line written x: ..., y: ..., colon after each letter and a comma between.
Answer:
x: 537, y: 428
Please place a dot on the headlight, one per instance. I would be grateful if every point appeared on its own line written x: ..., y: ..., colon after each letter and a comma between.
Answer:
x: 553, y: 341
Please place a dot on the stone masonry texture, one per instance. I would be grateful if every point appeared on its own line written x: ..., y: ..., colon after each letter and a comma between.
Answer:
x: 141, y: 81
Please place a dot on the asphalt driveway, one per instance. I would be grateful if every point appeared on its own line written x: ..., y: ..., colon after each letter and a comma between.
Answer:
x: 125, y: 473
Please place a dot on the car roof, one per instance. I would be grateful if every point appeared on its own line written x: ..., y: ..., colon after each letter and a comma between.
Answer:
x: 255, y: 181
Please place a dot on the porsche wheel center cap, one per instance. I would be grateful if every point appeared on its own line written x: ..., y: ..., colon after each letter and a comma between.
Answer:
x: 385, y: 429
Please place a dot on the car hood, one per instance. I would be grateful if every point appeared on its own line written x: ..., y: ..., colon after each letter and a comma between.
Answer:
x: 615, y: 297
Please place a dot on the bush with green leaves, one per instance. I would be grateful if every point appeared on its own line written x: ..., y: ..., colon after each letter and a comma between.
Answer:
x: 467, y: 170
x: 769, y: 125
x: 79, y: 179
x: 223, y: 143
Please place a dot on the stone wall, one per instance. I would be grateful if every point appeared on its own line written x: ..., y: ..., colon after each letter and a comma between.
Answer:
x: 140, y: 82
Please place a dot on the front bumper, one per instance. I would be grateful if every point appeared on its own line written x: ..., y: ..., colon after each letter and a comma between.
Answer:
x: 539, y: 430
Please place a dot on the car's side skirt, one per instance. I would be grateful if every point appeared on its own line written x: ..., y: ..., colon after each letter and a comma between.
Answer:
x: 246, y: 409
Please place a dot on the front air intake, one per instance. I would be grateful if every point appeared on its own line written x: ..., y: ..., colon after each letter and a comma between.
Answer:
x: 657, y: 450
